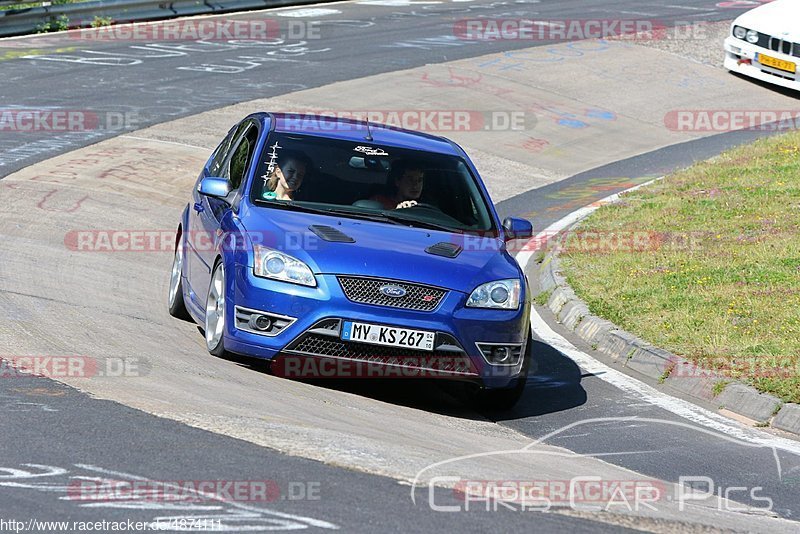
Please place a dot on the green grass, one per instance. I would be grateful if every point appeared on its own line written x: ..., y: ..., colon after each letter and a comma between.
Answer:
x: 543, y: 298
x: 715, y: 277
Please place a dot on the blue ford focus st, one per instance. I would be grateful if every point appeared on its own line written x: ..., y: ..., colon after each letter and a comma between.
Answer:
x: 371, y: 249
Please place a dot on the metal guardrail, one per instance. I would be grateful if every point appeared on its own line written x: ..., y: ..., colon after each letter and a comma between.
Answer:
x: 28, y: 20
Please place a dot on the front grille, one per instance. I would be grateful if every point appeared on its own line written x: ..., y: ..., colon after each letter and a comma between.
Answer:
x: 448, y: 361
x: 778, y: 45
x: 368, y: 291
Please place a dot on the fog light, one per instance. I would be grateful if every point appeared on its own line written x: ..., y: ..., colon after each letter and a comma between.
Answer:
x: 261, y: 323
x: 501, y: 354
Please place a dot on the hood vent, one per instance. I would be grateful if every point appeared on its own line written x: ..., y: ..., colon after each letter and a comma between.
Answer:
x: 448, y: 250
x: 331, y: 234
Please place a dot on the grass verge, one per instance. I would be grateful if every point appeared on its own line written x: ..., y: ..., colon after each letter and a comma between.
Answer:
x: 706, y: 264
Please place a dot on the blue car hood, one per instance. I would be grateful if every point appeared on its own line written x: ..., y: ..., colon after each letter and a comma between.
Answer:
x: 381, y: 250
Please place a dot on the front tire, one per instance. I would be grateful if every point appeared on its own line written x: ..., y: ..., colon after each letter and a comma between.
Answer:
x: 215, y: 312
x: 175, y: 302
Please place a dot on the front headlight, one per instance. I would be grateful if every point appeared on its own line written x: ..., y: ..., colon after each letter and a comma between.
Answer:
x: 739, y: 32
x: 270, y: 263
x: 752, y: 36
x: 502, y: 294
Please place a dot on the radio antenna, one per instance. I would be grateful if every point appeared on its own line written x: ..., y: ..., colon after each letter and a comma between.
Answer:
x: 369, y: 132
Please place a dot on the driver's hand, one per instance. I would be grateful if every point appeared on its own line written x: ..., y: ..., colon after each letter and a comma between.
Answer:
x: 406, y: 204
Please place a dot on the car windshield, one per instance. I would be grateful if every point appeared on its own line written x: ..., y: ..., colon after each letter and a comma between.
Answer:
x: 367, y: 180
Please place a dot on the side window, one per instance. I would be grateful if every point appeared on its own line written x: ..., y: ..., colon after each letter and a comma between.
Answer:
x: 221, y: 153
x: 242, y: 156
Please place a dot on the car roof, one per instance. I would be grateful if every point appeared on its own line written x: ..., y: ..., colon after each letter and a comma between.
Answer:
x: 357, y: 131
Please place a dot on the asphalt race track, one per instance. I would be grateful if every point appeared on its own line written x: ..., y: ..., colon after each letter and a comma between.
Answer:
x: 171, y: 81
x: 55, y: 437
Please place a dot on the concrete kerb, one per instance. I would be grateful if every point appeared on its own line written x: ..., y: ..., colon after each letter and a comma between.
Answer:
x: 665, y: 367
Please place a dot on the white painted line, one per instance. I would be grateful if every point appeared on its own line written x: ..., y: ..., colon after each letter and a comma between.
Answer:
x: 397, y: 3
x: 308, y: 521
x: 627, y: 384
x: 638, y: 389
x: 689, y: 8
x: 308, y: 12
x: 639, y: 13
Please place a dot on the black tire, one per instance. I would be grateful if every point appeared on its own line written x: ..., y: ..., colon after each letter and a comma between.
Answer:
x: 175, y: 303
x: 216, y: 347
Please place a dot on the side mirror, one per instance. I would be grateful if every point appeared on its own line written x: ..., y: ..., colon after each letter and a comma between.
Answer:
x: 517, y: 229
x: 214, y: 187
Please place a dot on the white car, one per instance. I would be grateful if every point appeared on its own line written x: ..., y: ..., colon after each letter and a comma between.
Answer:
x: 765, y: 43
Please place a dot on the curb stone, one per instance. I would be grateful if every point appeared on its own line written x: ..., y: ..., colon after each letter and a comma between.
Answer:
x: 746, y: 401
x: 788, y: 418
x: 657, y: 363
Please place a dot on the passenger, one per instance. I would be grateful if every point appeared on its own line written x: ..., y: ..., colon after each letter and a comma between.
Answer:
x: 287, y: 177
x: 405, y: 184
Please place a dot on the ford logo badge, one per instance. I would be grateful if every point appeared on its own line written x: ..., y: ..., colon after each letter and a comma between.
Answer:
x: 393, y: 291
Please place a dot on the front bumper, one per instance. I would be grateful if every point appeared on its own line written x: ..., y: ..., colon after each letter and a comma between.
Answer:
x: 459, y: 330
x: 742, y: 57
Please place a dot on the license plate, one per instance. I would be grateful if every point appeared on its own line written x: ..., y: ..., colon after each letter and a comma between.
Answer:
x: 776, y: 63
x: 389, y: 336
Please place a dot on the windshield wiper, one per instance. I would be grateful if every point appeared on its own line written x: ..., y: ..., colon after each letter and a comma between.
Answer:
x: 392, y: 215
x: 293, y: 206
x: 377, y: 217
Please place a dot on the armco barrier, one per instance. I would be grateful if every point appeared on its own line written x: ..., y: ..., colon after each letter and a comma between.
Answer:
x: 27, y: 20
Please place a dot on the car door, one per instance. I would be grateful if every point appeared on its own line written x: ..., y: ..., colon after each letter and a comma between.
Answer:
x: 209, y: 212
x: 195, y: 239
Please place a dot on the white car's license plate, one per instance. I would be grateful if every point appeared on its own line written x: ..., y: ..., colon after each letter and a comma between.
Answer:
x: 388, y: 335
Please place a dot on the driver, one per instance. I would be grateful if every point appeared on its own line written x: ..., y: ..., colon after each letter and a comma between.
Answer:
x: 405, y: 184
